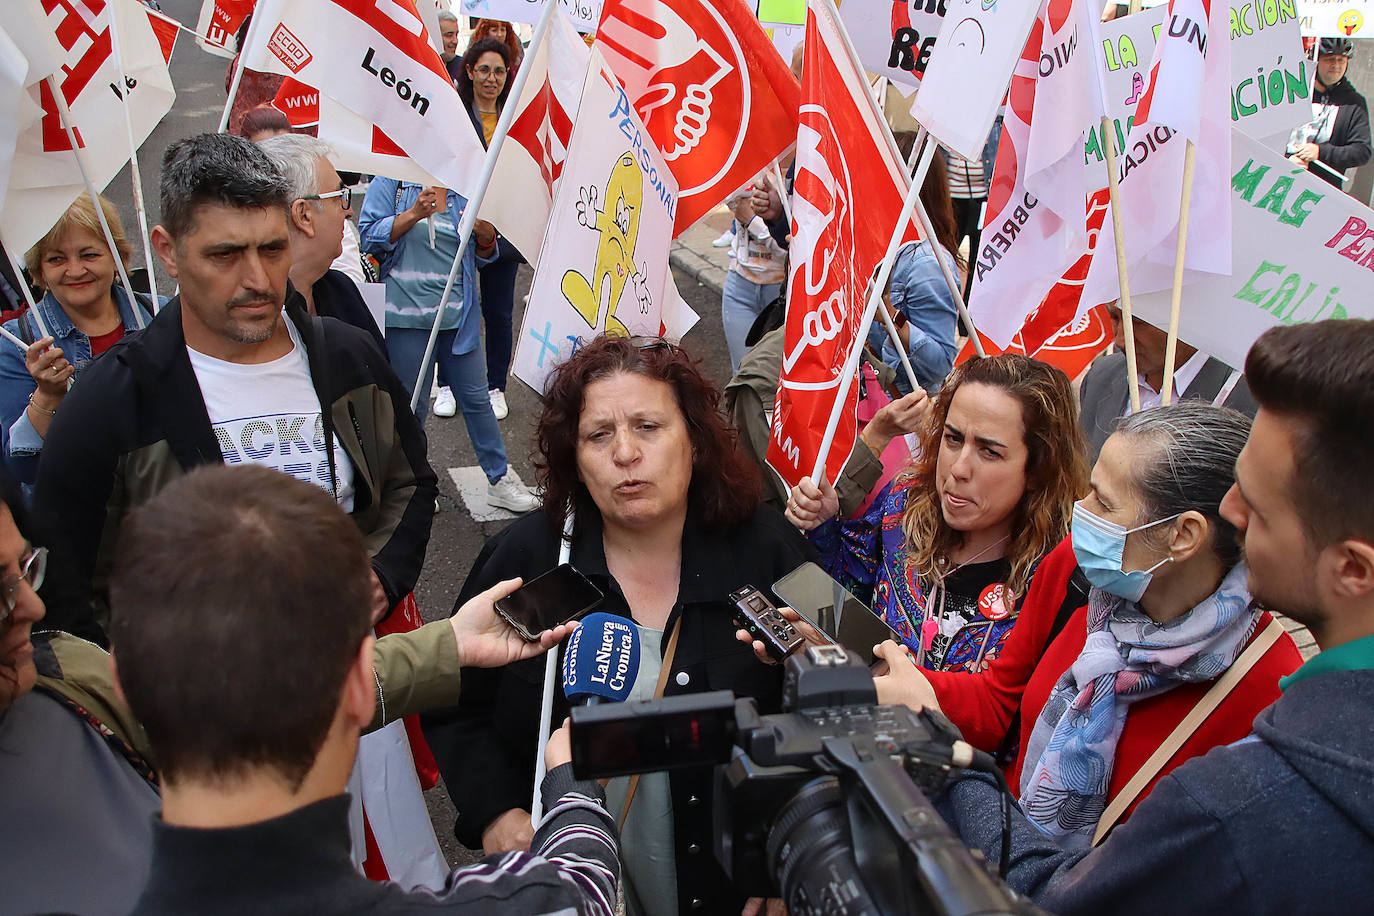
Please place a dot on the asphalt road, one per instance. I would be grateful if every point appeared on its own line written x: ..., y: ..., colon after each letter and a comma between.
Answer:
x: 456, y: 538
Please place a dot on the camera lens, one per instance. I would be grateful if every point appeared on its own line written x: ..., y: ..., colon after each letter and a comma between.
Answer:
x: 812, y: 853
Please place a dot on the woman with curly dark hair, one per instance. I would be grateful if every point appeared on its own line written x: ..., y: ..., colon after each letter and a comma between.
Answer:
x: 668, y: 521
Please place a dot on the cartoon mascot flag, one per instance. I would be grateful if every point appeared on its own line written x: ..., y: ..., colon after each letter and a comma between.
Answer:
x: 604, y: 265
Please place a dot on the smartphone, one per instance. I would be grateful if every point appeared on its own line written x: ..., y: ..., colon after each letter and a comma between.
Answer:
x: 558, y: 596
x: 829, y: 607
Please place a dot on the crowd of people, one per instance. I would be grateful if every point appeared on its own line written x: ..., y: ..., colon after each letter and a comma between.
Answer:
x: 223, y: 496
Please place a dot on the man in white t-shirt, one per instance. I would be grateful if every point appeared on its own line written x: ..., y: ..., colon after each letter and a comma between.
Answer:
x: 223, y: 375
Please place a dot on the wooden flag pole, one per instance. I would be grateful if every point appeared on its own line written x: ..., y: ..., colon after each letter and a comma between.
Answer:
x: 140, y: 211
x: 1176, y: 300
x: 1124, y: 283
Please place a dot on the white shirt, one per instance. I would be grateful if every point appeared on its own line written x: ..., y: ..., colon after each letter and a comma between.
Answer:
x: 1183, y: 377
x: 269, y: 414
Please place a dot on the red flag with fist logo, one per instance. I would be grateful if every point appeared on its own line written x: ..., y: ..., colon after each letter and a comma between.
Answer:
x: 846, y: 201
x: 710, y: 88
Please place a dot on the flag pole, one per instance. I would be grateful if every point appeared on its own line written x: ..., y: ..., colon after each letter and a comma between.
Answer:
x: 479, y: 193
x: 550, y: 676
x: 135, y: 176
x: 851, y: 364
x: 28, y: 294
x: 248, y: 42
x: 776, y: 174
x: 66, y: 116
x: 1123, y: 281
x: 1176, y: 300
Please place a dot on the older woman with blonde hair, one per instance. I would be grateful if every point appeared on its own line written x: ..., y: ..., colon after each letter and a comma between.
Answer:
x: 84, y: 312
x: 945, y: 551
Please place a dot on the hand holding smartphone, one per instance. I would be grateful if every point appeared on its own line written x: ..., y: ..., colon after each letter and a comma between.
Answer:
x: 558, y: 596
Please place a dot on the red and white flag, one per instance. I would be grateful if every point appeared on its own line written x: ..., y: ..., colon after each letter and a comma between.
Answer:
x: 846, y: 201
x: 1034, y: 228
x: 383, y: 88
x: 1187, y: 97
x: 710, y: 88
x: 218, y: 25
x: 71, y: 38
x: 532, y: 157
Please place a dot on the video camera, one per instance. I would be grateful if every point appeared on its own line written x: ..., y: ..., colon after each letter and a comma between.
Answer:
x: 823, y: 805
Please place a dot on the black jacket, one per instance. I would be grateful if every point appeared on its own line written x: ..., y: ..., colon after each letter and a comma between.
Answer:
x: 138, y: 420
x: 337, y: 296
x: 1279, y: 823
x: 1349, y: 144
x: 299, y: 864
x: 485, y: 745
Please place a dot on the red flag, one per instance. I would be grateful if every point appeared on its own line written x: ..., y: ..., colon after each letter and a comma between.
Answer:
x: 846, y: 201
x: 299, y: 102
x: 710, y: 88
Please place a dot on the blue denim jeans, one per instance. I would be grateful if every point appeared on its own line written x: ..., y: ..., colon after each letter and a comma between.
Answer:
x: 467, y: 377
x: 740, y: 303
x: 497, y: 281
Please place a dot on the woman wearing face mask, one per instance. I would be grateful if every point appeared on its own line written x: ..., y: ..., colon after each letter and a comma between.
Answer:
x: 945, y: 551
x: 1138, y: 647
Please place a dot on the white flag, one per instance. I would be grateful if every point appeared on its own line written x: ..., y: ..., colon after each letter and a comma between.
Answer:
x: 17, y: 110
x: 1035, y: 226
x: 44, y: 178
x: 966, y: 80
x: 532, y: 157
x: 374, y: 58
x: 613, y: 220
x: 1187, y: 97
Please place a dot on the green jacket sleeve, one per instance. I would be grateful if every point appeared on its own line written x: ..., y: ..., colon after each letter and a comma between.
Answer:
x: 415, y: 671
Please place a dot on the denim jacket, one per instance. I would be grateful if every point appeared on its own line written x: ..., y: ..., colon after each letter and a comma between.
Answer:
x: 918, y: 290
x: 19, y: 441
x: 380, y: 208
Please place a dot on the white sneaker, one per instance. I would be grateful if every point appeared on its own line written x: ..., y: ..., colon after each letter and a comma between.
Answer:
x: 725, y: 241
x: 509, y: 493
x: 498, y: 403
x: 444, y: 404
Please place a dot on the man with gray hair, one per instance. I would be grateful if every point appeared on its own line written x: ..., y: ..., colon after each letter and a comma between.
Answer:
x: 448, y: 31
x: 221, y: 375
x: 320, y: 204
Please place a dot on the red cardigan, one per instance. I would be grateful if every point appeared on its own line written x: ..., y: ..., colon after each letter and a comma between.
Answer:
x: 982, y: 704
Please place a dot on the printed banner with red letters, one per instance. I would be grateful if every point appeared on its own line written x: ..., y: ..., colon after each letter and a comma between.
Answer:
x: 846, y: 202
x: 218, y: 25
x: 44, y: 176
x: 532, y: 157
x: 613, y: 222
x: 372, y: 59
x: 710, y: 88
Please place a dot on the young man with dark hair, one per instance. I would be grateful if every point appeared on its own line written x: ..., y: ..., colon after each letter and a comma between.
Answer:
x: 253, y: 709
x: 1280, y: 822
x: 221, y: 376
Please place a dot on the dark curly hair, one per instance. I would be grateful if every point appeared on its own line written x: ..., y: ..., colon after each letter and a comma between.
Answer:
x: 726, y: 488
x: 471, y: 57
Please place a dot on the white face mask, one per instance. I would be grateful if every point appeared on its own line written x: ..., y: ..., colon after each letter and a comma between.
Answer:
x: 1098, y: 545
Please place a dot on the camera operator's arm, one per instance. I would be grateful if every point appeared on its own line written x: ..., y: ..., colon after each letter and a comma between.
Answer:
x: 421, y: 669
x: 1173, y: 855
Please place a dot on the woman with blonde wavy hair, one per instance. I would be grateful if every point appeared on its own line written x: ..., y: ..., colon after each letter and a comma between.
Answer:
x: 947, y: 549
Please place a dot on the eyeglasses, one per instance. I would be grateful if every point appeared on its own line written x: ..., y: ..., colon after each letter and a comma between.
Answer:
x: 484, y: 71
x: 345, y: 196
x: 32, y: 569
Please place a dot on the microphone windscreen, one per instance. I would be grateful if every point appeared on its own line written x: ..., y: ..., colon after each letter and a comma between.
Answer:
x: 601, y: 659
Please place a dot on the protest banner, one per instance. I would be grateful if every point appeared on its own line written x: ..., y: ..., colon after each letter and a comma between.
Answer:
x: 218, y: 25
x: 529, y: 166
x: 612, y: 219
x: 45, y: 176
x: 1036, y: 198
x: 846, y: 208
x: 374, y: 59
x: 1302, y: 251
x: 966, y: 80
x: 584, y: 14
x: 897, y: 39
x: 709, y: 87
x: 782, y: 12
x: 1335, y: 18
x: 1072, y: 348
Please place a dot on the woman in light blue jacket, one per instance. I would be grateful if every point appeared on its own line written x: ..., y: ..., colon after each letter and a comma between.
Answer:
x: 414, y: 230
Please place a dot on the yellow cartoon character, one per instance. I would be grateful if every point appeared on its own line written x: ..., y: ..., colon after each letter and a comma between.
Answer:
x: 1350, y: 22
x: 618, y: 223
